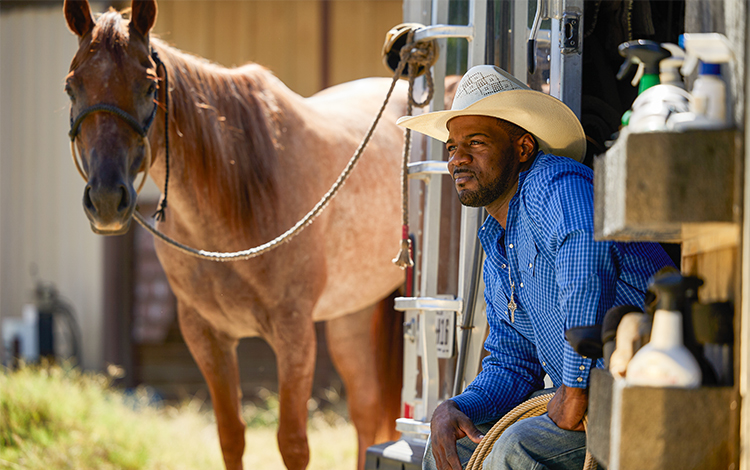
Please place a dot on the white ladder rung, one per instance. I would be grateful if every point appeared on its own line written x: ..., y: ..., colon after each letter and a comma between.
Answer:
x: 426, y: 169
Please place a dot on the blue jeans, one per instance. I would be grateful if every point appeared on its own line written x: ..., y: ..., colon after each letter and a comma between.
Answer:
x: 530, y: 444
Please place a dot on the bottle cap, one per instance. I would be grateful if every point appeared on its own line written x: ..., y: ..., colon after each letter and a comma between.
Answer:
x: 710, y: 69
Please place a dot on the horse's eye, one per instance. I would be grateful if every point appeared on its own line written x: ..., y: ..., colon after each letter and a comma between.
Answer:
x: 151, y: 88
x: 69, y: 91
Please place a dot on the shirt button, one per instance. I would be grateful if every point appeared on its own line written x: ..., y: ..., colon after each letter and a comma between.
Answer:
x: 531, y: 264
x: 510, y: 246
x: 483, y: 228
x: 521, y: 284
x: 544, y: 363
x: 579, y: 379
x: 503, y: 266
x: 582, y: 367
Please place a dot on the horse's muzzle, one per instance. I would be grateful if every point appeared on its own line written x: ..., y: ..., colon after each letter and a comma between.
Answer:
x: 109, y: 208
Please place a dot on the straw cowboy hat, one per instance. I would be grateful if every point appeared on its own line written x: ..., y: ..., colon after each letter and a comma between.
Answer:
x: 486, y: 90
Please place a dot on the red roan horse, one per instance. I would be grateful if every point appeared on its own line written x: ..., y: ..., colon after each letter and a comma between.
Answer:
x: 248, y: 159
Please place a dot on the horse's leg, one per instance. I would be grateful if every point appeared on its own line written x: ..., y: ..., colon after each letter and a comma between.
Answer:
x: 352, y: 349
x: 294, y: 345
x: 216, y: 356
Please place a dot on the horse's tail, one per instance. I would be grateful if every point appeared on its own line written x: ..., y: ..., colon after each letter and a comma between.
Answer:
x: 389, y: 341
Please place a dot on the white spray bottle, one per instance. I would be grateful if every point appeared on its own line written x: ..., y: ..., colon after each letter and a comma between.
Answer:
x: 665, y: 361
x: 708, y: 96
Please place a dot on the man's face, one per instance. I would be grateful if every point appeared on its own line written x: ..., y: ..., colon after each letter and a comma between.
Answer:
x: 482, y: 159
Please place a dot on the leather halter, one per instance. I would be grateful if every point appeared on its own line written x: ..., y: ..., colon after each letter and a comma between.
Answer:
x: 140, y: 129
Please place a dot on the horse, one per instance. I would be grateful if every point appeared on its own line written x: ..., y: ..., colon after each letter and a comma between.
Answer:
x: 249, y: 157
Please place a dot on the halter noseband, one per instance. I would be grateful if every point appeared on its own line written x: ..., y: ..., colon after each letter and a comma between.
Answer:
x: 141, y: 130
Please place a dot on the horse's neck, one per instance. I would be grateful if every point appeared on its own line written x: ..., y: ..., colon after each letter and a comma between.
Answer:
x: 224, y: 126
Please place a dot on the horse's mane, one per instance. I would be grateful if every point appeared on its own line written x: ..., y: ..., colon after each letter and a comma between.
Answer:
x: 226, y: 128
x: 228, y: 131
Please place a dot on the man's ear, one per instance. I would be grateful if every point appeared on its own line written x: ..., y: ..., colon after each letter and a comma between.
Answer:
x: 526, y: 145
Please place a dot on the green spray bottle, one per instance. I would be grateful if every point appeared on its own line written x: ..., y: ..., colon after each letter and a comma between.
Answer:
x: 645, y: 53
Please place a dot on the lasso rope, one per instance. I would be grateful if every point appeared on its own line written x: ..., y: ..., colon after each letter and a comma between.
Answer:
x: 411, y: 54
x: 536, y: 406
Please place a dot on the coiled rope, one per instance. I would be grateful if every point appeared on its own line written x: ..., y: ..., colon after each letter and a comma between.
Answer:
x: 412, y: 55
x: 536, y: 406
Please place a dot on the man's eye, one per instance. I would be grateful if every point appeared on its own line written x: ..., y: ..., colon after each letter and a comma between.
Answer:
x: 476, y: 142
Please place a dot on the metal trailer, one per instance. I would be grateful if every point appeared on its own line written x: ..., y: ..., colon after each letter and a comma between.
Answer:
x: 445, y: 322
x: 648, y: 187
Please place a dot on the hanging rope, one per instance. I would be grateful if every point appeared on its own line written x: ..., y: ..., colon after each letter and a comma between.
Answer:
x: 406, y: 58
x: 536, y: 406
x: 419, y: 57
x: 160, y: 214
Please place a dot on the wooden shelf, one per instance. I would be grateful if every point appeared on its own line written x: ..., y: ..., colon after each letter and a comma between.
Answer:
x: 659, y: 186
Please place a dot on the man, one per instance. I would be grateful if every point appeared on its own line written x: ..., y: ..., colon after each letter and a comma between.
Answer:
x: 512, y: 150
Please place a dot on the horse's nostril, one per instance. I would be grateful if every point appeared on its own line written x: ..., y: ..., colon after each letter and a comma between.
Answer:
x: 87, y: 202
x: 124, y: 199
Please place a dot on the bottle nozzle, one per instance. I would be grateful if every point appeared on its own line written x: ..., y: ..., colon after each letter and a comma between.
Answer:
x: 648, y: 53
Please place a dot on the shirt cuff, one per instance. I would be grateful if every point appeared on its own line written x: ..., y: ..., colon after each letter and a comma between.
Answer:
x: 473, y: 405
x: 576, y: 368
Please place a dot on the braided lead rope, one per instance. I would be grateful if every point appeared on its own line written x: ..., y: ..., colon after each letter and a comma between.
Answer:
x: 536, y: 406
x: 304, y: 222
x: 416, y: 55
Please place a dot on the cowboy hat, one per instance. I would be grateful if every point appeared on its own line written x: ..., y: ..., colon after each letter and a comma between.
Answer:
x: 486, y: 90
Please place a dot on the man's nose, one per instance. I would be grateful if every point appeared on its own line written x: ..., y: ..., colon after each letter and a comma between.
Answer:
x: 459, y: 157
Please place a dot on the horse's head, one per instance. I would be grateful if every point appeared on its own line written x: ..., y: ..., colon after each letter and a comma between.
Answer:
x: 112, y: 86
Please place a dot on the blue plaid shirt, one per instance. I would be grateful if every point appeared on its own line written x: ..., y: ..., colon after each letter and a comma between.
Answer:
x: 562, y: 278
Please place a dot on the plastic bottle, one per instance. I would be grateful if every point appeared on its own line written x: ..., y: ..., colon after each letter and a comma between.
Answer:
x: 665, y: 361
x: 669, y: 68
x: 708, y: 95
x: 646, y: 55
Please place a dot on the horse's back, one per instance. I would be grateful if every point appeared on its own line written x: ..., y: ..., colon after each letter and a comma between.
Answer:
x: 366, y: 95
x: 363, y: 224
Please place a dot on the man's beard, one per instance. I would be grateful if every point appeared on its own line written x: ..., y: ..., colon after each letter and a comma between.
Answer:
x: 486, y: 194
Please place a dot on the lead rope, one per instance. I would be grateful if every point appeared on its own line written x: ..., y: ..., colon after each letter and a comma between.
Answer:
x: 160, y: 214
x: 417, y: 55
x: 315, y: 211
x: 536, y: 406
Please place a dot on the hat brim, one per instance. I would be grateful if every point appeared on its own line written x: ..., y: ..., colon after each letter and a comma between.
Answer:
x: 555, y: 126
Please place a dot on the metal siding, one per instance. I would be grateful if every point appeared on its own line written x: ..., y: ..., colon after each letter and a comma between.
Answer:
x: 284, y: 35
x: 42, y: 223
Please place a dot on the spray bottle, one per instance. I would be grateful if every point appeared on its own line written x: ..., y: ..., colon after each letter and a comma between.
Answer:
x: 708, y: 95
x: 655, y: 101
x: 665, y: 361
x: 669, y: 68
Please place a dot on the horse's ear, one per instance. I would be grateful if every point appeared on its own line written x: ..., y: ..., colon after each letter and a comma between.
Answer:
x: 78, y: 15
x: 143, y: 16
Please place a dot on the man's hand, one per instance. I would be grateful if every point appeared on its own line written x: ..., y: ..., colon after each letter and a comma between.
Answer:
x: 568, y: 407
x: 448, y: 425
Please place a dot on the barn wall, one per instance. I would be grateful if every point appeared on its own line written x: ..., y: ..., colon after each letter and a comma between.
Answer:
x: 42, y: 225
x: 286, y: 36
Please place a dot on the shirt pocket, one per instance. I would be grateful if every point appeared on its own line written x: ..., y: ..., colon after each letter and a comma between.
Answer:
x: 527, y: 258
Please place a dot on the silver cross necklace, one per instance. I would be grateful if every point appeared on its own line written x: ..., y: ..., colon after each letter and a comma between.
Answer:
x: 511, y: 303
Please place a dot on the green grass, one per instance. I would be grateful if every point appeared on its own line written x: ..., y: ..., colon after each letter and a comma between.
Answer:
x: 60, y: 418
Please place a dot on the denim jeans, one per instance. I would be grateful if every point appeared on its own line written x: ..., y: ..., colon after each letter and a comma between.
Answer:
x: 530, y: 444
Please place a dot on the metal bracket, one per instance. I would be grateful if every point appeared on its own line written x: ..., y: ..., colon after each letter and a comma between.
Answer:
x: 571, y: 33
